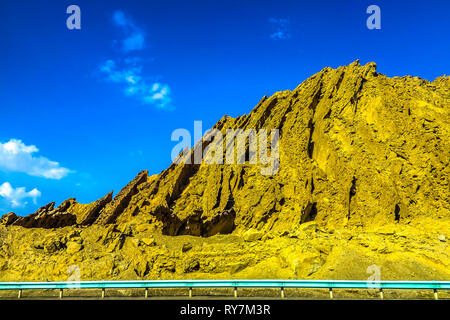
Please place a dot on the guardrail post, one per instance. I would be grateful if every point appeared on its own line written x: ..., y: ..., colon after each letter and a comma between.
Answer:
x: 282, y: 292
x: 235, y: 292
x: 331, y: 293
x: 60, y: 293
x: 146, y: 293
x: 190, y: 292
x: 381, y: 294
x: 103, y: 293
x: 19, y: 296
x: 435, y: 294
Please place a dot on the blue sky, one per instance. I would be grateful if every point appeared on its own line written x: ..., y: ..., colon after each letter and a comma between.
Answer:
x: 83, y: 111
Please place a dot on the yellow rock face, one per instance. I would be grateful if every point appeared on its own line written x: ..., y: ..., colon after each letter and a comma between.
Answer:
x: 362, y: 182
x: 73, y: 247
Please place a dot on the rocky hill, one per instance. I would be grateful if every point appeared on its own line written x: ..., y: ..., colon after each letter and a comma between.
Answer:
x: 362, y: 179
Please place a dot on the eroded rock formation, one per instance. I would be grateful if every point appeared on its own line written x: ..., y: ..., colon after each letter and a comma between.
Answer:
x: 357, y: 149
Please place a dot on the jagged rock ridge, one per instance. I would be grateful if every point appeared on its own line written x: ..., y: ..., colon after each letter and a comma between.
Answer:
x: 356, y: 148
x: 362, y: 182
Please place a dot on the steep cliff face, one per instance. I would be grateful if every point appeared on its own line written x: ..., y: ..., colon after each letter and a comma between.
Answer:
x: 358, y: 152
x: 356, y: 147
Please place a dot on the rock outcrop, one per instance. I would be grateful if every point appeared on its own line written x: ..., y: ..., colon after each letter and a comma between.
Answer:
x: 49, y: 217
x: 8, y: 218
x: 358, y: 151
x: 356, y: 147
x: 113, y: 209
x: 69, y: 213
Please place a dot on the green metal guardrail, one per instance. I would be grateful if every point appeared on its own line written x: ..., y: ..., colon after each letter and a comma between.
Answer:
x: 282, y: 284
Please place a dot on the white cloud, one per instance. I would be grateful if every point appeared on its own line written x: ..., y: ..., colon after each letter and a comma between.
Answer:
x: 280, y: 28
x: 18, y: 157
x: 119, y: 19
x: 16, y: 196
x: 128, y: 71
x: 129, y: 75
x: 134, y: 36
x: 133, y: 42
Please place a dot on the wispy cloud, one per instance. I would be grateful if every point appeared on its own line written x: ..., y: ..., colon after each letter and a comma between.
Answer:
x: 127, y: 71
x: 15, y: 156
x: 280, y: 28
x: 16, y: 197
x: 134, y: 36
x: 130, y: 76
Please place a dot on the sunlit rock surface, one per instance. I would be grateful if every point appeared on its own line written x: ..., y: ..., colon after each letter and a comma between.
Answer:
x: 362, y: 180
